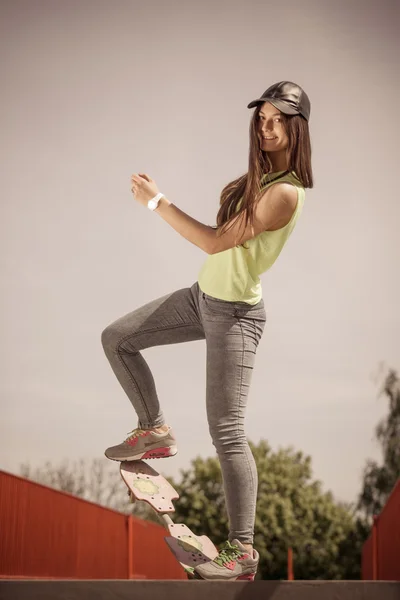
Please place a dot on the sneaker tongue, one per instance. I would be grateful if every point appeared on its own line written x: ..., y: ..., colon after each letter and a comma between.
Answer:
x: 241, y: 547
x: 239, y: 544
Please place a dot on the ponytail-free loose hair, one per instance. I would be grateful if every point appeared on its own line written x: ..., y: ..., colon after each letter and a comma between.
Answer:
x: 248, y: 187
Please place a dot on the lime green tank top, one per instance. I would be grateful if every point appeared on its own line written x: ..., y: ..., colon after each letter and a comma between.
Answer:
x: 234, y: 274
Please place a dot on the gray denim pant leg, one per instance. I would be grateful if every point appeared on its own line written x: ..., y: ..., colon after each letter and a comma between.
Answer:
x: 171, y: 319
x: 232, y: 331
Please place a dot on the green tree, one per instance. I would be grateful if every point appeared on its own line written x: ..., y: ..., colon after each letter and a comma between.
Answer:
x: 379, y: 480
x: 292, y: 511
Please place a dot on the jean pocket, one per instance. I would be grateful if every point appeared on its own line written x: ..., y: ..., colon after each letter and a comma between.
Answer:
x: 257, y: 313
x: 234, y: 309
x: 217, y: 306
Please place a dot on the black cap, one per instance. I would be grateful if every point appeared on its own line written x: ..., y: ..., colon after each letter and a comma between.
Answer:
x: 287, y: 97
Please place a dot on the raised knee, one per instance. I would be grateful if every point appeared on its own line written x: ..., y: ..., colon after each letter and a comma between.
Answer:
x: 109, y: 337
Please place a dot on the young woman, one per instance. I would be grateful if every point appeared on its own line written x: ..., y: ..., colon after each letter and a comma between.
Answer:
x: 257, y: 213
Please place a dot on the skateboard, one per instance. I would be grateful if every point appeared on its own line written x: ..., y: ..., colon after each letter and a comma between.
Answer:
x: 145, y: 484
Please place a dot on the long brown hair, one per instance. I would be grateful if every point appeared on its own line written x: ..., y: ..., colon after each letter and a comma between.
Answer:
x: 248, y: 186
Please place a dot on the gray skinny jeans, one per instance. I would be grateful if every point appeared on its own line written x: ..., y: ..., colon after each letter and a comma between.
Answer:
x: 232, y: 331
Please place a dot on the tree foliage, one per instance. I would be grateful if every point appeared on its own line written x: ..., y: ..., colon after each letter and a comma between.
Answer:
x: 379, y: 480
x: 292, y: 511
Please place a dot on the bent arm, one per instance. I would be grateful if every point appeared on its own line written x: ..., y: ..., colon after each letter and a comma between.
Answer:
x: 202, y: 236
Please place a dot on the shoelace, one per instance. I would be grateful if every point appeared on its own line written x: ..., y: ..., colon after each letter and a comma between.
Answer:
x: 229, y: 552
x: 135, y: 433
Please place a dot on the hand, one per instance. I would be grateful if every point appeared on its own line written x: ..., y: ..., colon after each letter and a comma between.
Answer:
x: 144, y: 188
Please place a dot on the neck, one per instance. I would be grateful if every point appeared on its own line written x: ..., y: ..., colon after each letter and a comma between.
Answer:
x: 278, y: 161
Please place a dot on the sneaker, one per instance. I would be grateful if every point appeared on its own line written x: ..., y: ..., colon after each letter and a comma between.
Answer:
x: 233, y: 563
x: 144, y: 443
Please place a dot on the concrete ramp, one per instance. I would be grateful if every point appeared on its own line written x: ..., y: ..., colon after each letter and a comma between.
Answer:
x: 197, y: 590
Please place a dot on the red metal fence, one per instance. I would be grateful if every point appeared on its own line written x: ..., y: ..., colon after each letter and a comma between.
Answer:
x: 47, y: 533
x: 381, y: 551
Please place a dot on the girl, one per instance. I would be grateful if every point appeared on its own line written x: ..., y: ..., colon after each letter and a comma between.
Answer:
x: 257, y: 214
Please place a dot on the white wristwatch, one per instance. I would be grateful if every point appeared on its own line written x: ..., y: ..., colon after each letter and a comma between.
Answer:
x: 153, y: 203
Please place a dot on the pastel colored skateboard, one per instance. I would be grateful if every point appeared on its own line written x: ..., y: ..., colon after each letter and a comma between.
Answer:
x: 145, y: 484
x: 190, y: 549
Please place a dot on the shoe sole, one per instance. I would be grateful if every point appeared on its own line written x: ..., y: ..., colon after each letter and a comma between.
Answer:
x: 248, y: 577
x: 155, y: 453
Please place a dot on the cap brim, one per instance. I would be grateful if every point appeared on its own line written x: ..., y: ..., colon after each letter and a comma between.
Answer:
x: 282, y: 106
x: 255, y: 102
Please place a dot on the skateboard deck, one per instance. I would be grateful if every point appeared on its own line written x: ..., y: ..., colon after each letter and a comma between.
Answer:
x: 189, y: 549
x: 148, y: 485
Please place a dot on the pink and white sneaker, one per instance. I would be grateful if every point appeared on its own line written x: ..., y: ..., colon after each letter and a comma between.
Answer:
x: 233, y: 563
x: 142, y: 444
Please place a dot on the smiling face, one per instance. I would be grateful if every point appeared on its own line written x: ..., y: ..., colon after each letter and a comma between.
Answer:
x: 270, y: 125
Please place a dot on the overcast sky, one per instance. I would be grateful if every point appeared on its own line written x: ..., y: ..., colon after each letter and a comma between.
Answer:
x: 93, y: 91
